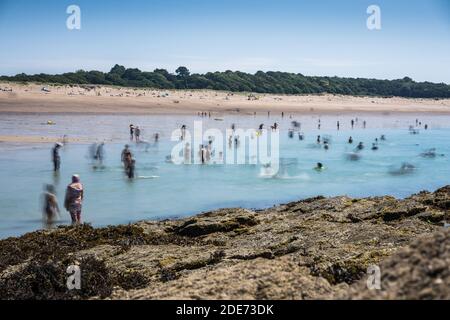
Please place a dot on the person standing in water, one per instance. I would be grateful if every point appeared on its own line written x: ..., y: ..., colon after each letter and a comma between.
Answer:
x: 56, y: 157
x: 100, y: 153
x: 131, y: 132
x: 128, y: 162
x: 353, y: 123
x: 137, y: 134
x: 74, y: 199
x: 350, y: 140
x: 183, y: 132
x: 50, y: 207
x: 338, y: 125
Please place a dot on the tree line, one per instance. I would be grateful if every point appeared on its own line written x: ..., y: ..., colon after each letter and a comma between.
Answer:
x: 236, y: 81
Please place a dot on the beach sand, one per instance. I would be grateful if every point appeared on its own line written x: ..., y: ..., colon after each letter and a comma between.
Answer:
x: 90, y: 99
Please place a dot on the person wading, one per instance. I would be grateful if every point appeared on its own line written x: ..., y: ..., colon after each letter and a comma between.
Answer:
x: 74, y: 199
x: 56, y: 157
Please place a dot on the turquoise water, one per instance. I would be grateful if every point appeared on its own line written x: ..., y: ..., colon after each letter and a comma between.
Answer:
x: 164, y: 190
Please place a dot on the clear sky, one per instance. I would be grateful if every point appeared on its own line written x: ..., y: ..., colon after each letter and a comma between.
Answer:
x: 313, y: 37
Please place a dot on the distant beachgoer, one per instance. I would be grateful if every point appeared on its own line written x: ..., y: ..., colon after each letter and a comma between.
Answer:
x: 156, y: 136
x: 290, y: 133
x: 319, y: 166
x: 183, y: 132
x: 350, y: 140
x: 261, y: 126
x: 282, y: 114
x: 360, y: 146
x: 353, y: 123
x: 374, y: 146
x: 74, y: 199
x: 338, y: 125
x: 202, y: 152
x: 383, y: 137
x: 126, y: 156
x: 326, y: 145
x: 131, y: 132
x: 236, y: 141
x: 233, y: 127
x: 50, y: 208
x: 56, y: 157
x: 137, y: 133
x: 318, y: 139
x: 100, y: 153
x: 131, y: 169
x: 301, y: 136
x: 426, y: 127
x: 364, y: 124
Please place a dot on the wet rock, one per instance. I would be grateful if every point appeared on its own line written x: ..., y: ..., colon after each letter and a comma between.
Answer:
x: 419, y: 271
x: 218, y: 222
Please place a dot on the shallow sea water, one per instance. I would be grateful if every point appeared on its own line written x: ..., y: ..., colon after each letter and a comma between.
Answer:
x: 165, y: 190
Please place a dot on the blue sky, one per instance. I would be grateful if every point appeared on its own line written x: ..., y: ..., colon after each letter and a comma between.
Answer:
x: 313, y: 37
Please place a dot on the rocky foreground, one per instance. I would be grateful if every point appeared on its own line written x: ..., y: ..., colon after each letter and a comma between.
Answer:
x: 312, y: 249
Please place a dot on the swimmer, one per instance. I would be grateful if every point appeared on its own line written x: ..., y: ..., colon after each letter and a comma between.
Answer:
x: 350, y: 140
x: 290, y: 133
x: 374, y: 146
x: 360, y: 146
x: 405, y: 168
x: 319, y: 167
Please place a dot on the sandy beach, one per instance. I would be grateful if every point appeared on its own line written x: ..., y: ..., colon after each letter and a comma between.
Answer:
x: 91, y: 99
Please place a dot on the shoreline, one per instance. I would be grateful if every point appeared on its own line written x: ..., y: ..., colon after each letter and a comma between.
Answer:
x: 317, y: 248
x: 103, y: 100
